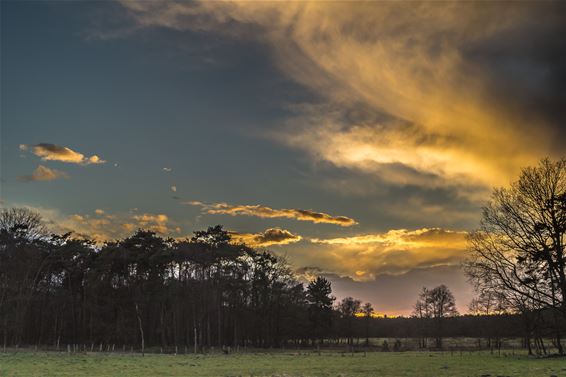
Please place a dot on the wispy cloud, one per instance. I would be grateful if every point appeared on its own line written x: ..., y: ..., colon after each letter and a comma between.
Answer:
x: 105, y: 226
x: 402, y: 238
x: 43, y: 173
x: 397, y: 251
x: 52, y: 152
x: 269, y: 237
x: 421, y: 94
x: 267, y: 212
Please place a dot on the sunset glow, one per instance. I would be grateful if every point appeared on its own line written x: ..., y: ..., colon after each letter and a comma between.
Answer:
x: 357, y: 140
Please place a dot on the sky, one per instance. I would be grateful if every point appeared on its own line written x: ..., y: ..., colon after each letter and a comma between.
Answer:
x: 358, y: 140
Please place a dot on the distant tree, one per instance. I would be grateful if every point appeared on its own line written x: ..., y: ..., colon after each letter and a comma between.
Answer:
x: 320, y: 300
x: 348, y: 309
x: 436, y: 304
x: 367, y: 310
x: 489, y: 303
x: 423, y: 308
x: 423, y: 312
x: 519, y: 248
x: 397, y: 345
x: 443, y: 305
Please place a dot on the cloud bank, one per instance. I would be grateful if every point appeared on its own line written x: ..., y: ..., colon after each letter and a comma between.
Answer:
x: 104, y: 226
x: 397, y: 251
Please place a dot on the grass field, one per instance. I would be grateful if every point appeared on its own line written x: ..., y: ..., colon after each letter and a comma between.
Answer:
x: 433, y: 364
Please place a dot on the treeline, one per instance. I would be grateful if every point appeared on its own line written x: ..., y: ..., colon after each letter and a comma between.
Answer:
x: 194, y: 294
x: 146, y: 291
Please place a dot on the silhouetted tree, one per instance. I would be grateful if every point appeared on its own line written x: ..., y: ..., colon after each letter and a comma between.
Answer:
x: 348, y: 308
x: 152, y: 293
x: 423, y: 312
x: 319, y: 298
x: 436, y: 304
x: 520, y: 245
x: 22, y: 223
x: 367, y: 310
x: 489, y: 303
x: 144, y: 290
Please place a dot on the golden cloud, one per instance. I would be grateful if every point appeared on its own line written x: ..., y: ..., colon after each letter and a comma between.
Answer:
x: 366, y: 256
x: 269, y: 237
x: 403, y: 238
x: 433, y: 108
x: 267, y: 212
x: 43, y: 173
x: 156, y: 223
x: 52, y: 152
x: 103, y: 226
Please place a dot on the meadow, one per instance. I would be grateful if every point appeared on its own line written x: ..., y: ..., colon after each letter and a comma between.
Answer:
x: 281, y: 364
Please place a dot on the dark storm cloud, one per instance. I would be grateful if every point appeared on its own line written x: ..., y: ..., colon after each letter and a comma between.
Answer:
x: 525, y: 66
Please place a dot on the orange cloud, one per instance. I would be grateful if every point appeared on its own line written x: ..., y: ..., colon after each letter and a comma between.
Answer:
x: 269, y: 237
x: 52, y: 152
x: 103, y: 226
x: 364, y: 257
x: 403, y: 237
x: 267, y: 212
x: 156, y: 223
x: 397, y: 86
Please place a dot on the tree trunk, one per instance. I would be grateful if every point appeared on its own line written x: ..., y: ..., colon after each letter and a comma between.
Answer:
x: 195, y: 337
x: 141, y: 329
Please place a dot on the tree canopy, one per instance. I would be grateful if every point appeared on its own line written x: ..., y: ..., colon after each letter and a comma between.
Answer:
x: 518, y: 252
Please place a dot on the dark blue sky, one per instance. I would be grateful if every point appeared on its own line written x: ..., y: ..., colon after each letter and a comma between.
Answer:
x: 390, y: 123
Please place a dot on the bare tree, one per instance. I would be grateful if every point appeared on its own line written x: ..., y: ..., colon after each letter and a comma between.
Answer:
x: 423, y: 313
x: 348, y: 309
x: 22, y: 223
x: 489, y: 303
x: 437, y: 303
x: 519, y: 246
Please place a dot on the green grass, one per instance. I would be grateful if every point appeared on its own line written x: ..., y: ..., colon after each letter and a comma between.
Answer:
x: 433, y: 364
